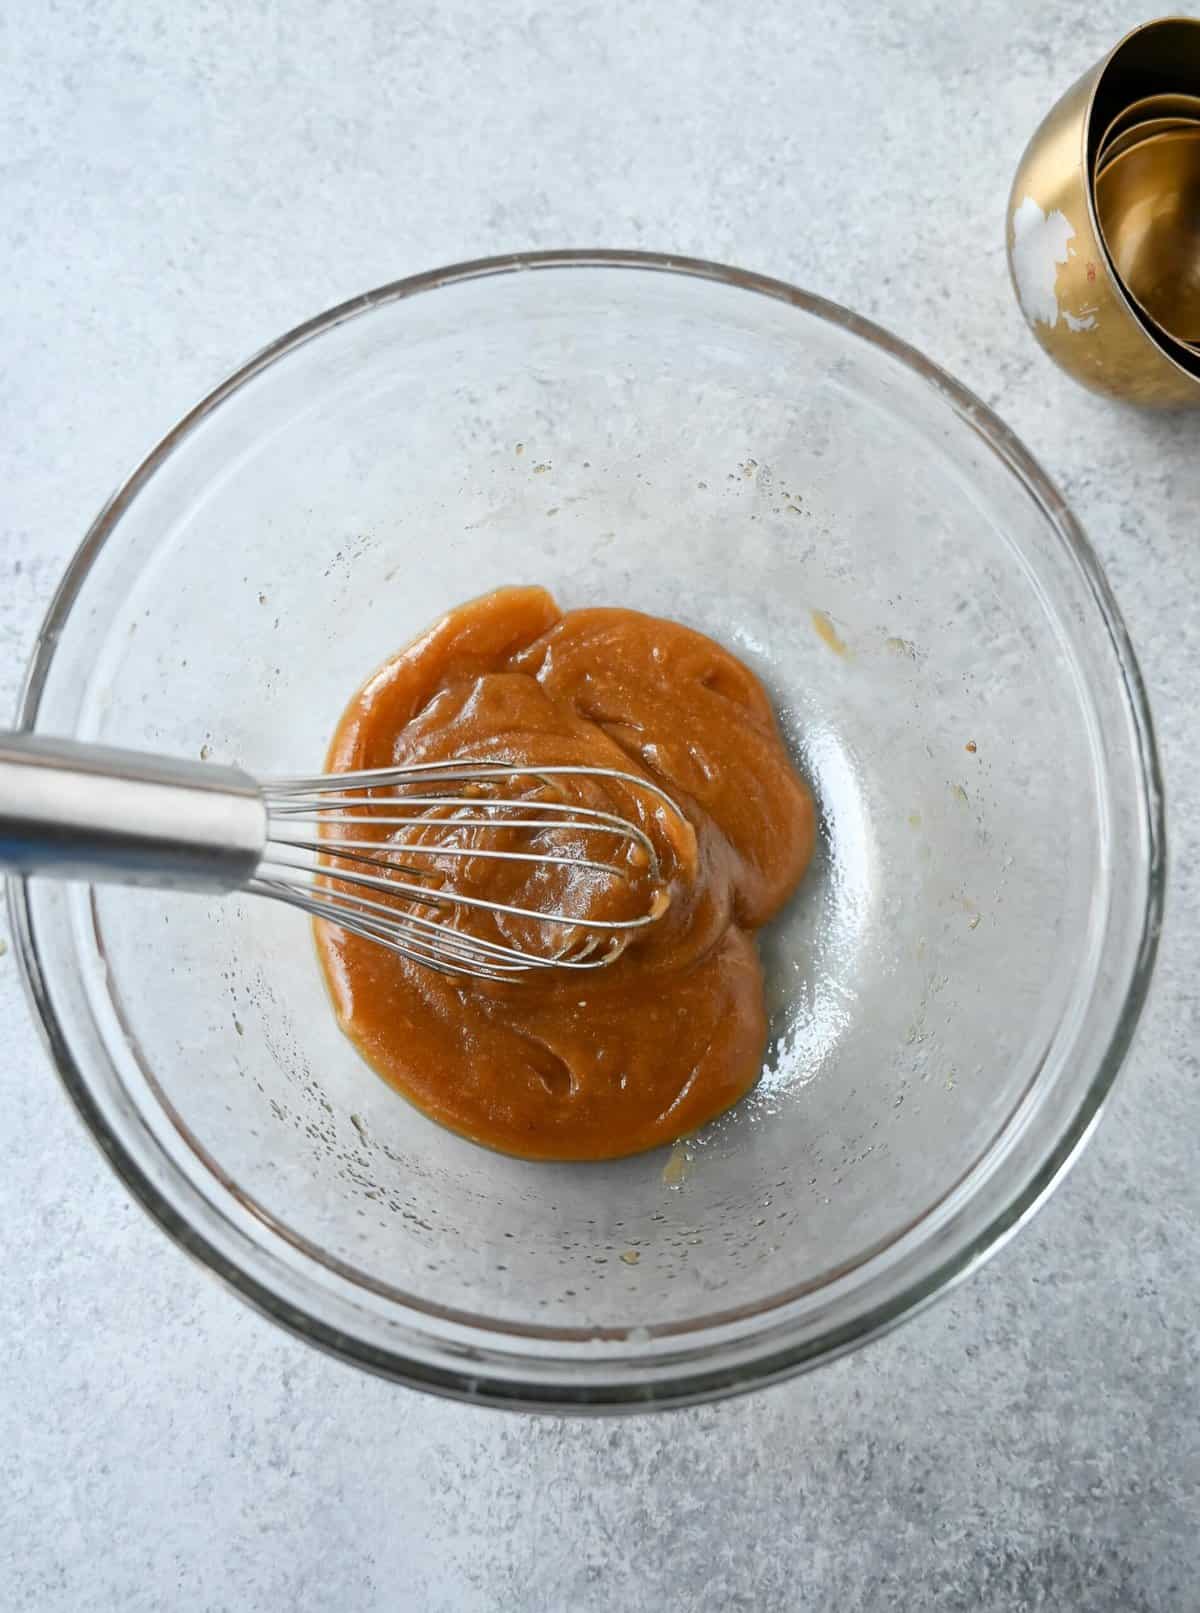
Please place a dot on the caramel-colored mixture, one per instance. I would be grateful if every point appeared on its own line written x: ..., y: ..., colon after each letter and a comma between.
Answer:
x: 588, y: 1064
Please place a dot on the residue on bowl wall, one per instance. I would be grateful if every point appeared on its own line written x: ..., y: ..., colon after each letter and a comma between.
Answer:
x: 828, y: 633
x: 675, y: 1171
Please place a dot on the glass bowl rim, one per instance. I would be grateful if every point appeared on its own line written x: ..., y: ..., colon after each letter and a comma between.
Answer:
x: 707, y: 1370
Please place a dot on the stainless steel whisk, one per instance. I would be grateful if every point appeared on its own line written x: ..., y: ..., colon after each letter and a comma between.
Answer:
x: 75, y: 811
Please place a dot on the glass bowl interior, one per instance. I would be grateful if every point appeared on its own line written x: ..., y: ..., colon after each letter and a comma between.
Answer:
x: 950, y: 991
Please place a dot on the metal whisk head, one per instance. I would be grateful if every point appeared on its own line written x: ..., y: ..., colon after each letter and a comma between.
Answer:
x: 373, y: 852
x: 417, y: 858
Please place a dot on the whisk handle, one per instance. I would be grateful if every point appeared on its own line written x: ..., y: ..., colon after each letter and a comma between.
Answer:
x: 74, y: 811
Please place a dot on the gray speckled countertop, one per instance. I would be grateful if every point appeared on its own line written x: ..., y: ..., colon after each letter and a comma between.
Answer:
x: 181, y: 183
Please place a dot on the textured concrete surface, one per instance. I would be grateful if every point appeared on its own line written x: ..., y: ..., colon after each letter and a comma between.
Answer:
x: 180, y: 184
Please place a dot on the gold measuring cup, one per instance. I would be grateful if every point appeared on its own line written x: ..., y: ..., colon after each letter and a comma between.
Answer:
x: 1148, y: 203
x: 1065, y: 280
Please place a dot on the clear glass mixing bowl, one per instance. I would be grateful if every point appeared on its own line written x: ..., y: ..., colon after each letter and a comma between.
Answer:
x: 954, y: 986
